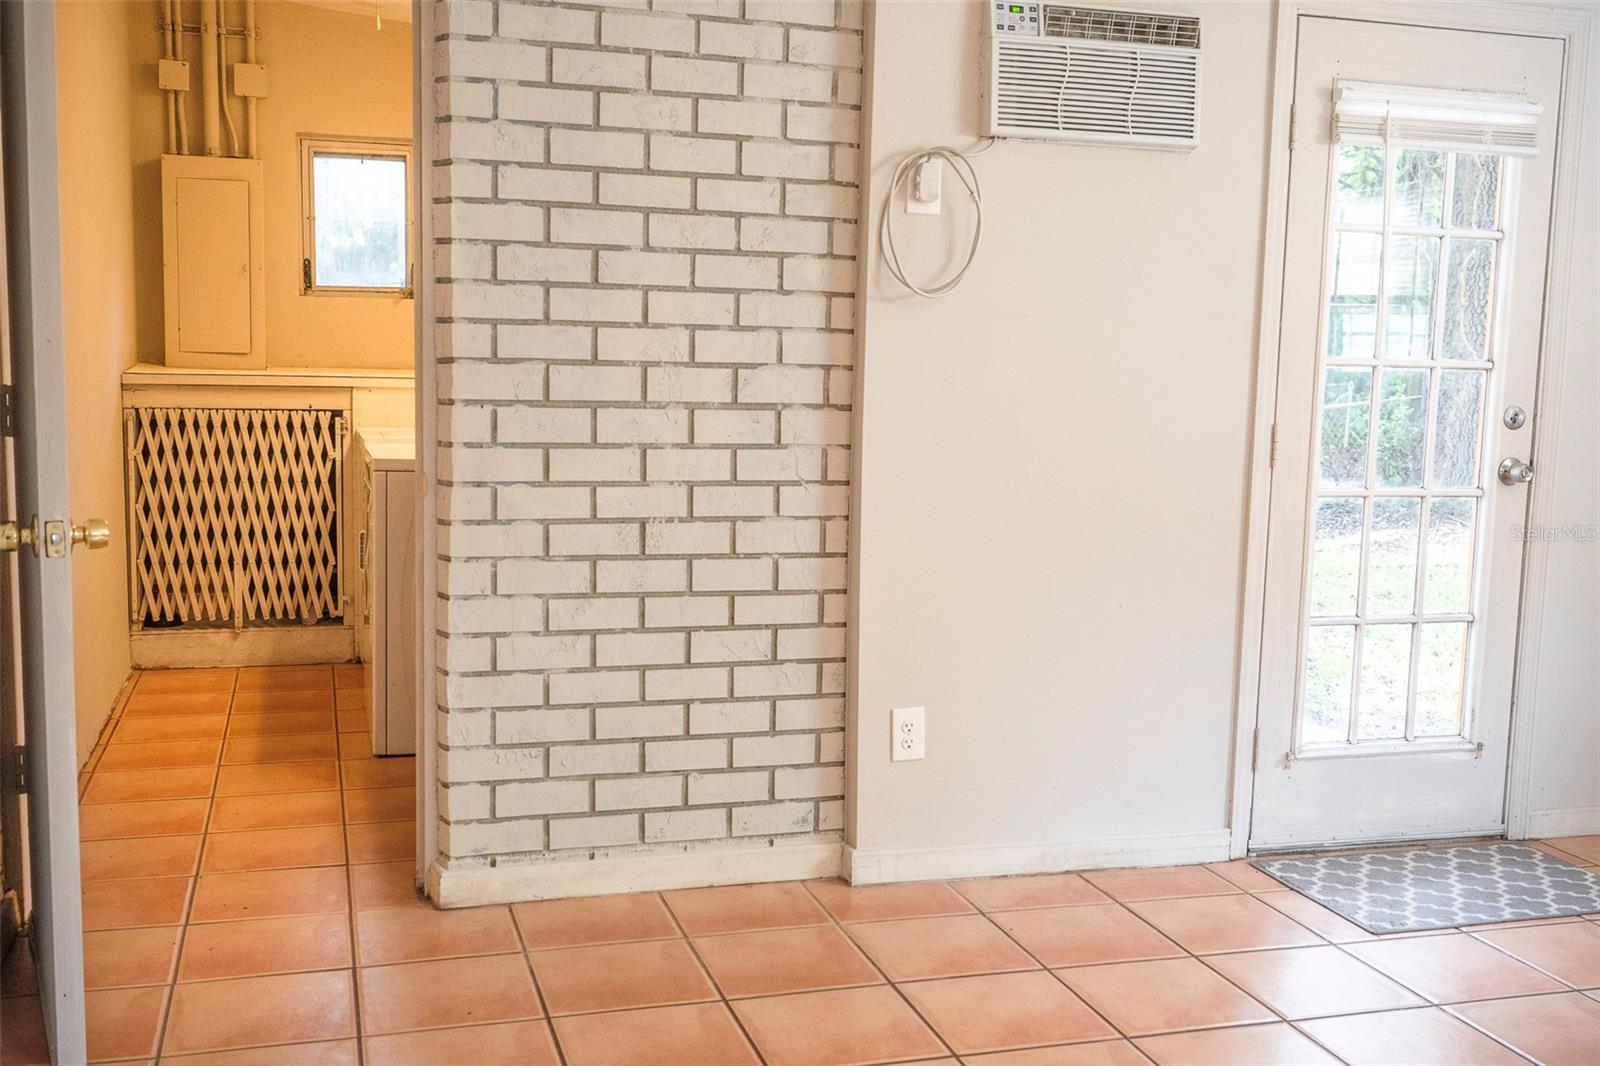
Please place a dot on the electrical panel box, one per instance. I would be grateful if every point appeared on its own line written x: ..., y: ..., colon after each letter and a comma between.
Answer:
x: 213, y: 262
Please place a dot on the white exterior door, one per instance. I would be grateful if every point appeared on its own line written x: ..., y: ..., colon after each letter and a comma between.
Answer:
x: 40, y: 597
x: 1411, y: 321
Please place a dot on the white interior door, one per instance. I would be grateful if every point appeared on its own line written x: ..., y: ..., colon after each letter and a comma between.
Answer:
x: 1412, y: 304
x: 43, y: 536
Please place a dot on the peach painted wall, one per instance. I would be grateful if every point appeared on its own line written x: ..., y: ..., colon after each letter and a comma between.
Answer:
x: 95, y: 87
x: 331, y: 73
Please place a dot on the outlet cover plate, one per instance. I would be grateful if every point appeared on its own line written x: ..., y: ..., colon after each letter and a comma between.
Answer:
x: 908, y: 738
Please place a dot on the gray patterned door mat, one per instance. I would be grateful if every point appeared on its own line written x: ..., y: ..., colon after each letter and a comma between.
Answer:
x: 1406, y: 889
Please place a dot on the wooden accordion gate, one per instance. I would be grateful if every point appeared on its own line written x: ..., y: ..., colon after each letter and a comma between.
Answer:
x: 234, y: 515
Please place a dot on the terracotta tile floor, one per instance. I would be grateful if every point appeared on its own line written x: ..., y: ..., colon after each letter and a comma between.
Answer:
x: 248, y: 900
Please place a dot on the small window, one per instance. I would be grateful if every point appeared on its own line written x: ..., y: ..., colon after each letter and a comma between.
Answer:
x: 357, y: 216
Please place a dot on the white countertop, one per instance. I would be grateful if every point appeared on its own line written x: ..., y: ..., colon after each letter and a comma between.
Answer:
x: 391, y: 448
x: 295, y: 376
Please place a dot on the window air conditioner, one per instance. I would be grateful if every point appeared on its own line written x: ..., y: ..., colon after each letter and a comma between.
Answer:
x: 1093, y: 75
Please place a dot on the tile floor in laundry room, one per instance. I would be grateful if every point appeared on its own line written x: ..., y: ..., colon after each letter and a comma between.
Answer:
x: 248, y: 899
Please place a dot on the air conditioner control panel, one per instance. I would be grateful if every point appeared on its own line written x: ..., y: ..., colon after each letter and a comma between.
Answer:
x: 1014, y: 19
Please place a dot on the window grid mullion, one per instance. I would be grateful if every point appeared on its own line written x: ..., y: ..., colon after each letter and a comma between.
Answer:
x: 1373, y: 422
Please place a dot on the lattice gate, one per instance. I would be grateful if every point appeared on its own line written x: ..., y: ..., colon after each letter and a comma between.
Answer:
x: 234, y: 515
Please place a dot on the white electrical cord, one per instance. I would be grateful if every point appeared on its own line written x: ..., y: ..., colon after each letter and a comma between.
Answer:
x: 962, y: 166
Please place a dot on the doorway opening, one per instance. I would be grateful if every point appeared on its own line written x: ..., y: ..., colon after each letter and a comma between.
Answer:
x: 239, y: 235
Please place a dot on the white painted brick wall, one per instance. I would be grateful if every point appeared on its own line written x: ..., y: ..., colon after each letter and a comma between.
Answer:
x: 645, y: 215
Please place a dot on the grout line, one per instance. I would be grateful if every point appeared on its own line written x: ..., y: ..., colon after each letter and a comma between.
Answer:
x: 1531, y: 965
x: 1188, y: 954
x: 194, y: 886
x: 721, y: 995
x: 1493, y: 1036
x: 102, y: 740
x: 845, y: 932
x: 350, y: 898
x: 538, y: 990
x: 1040, y: 962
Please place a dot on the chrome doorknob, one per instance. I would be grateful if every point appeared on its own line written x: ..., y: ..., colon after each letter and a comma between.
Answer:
x: 1515, y: 472
x: 93, y: 533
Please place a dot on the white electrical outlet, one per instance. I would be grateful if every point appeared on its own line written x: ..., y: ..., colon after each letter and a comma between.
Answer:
x: 908, y: 737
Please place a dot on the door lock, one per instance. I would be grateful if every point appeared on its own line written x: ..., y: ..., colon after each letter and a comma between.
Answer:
x: 1514, y: 471
x: 56, y: 537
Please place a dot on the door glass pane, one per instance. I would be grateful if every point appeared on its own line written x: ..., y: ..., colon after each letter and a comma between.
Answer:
x: 1441, y: 677
x: 1330, y: 662
x: 1447, y: 578
x: 1418, y: 188
x: 1469, y: 275
x: 1358, y: 189
x: 1353, y: 299
x: 1392, y: 556
x: 1402, y: 414
x: 1457, y: 422
x: 1411, y: 284
x: 1335, y: 556
x: 1346, y: 418
x: 1475, y: 202
x: 1408, y: 316
x: 1385, y: 679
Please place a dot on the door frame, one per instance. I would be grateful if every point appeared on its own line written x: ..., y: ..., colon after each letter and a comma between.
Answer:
x: 425, y: 363
x: 1574, y: 25
x: 33, y: 278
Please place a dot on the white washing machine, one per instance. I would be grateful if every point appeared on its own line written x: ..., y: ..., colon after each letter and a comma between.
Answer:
x: 385, y: 462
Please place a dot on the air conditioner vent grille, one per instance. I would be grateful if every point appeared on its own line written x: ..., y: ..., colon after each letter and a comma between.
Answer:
x: 1121, y: 27
x: 1097, y: 92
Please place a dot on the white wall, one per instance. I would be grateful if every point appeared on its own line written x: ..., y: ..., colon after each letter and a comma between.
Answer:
x: 1051, y: 484
x: 1052, y: 468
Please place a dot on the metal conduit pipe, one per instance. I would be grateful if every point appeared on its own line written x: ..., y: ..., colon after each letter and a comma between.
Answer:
x: 210, y: 95
x: 175, y: 29
x: 222, y: 75
x: 171, y: 94
x: 250, y: 57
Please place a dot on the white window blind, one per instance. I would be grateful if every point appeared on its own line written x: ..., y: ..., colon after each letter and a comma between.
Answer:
x: 1449, y: 119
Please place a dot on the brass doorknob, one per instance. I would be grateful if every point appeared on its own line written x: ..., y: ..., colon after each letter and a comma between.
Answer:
x: 93, y: 533
x: 13, y: 535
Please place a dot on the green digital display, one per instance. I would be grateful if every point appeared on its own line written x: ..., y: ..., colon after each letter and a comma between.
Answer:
x: 1016, y: 9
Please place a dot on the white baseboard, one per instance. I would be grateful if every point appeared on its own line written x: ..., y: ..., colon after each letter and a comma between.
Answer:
x: 883, y: 865
x: 155, y: 649
x: 643, y: 872
x: 1564, y: 822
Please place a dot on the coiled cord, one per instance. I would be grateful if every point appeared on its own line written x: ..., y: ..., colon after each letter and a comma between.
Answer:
x: 962, y: 166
